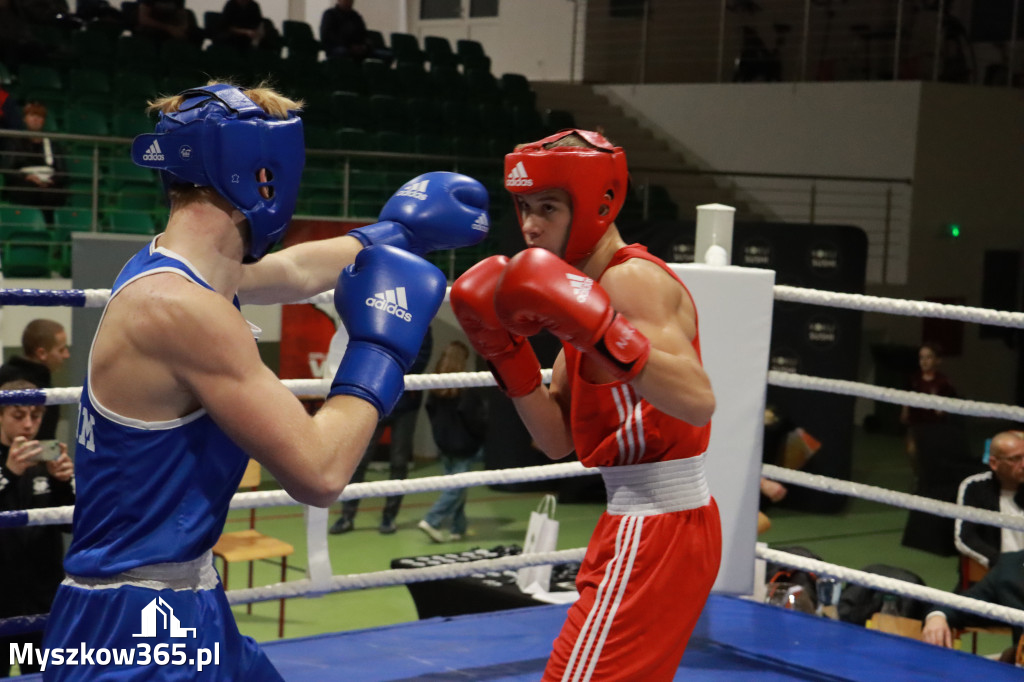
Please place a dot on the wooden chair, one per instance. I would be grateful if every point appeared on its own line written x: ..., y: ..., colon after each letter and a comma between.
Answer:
x: 971, y: 571
x: 250, y: 545
x: 896, y: 625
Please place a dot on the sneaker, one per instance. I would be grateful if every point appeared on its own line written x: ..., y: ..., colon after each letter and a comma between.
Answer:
x: 434, y: 533
x: 387, y: 527
x: 342, y: 525
x: 454, y: 537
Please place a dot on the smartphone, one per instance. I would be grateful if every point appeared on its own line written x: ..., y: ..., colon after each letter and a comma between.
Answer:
x: 50, y: 451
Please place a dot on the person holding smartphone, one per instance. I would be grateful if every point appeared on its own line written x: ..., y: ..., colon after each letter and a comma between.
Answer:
x: 33, y: 474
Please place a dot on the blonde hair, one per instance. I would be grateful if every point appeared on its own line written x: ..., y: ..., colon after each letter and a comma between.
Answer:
x: 263, y: 96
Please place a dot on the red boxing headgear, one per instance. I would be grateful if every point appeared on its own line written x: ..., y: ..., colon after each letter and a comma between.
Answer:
x: 586, y: 173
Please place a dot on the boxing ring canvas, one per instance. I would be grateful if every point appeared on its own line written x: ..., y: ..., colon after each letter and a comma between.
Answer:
x: 734, y: 309
x: 735, y: 641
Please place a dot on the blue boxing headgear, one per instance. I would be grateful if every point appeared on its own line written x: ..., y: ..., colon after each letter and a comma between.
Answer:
x: 220, y: 138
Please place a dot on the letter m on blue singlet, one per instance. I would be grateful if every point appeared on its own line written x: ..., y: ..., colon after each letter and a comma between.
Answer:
x: 86, y: 422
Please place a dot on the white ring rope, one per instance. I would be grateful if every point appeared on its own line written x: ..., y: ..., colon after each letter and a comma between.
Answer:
x: 423, y: 382
x: 893, y: 498
x: 47, y: 516
x: 320, y: 387
x: 896, y: 306
x: 930, y: 595
x: 971, y: 408
x: 97, y: 298
x: 354, y: 491
x: 403, y: 576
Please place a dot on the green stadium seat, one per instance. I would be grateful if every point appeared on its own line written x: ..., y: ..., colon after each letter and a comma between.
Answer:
x: 130, y: 122
x: 406, y: 48
x: 129, y: 222
x: 439, y: 50
x: 378, y: 49
x: 21, y: 218
x: 342, y: 73
x: 388, y: 113
x: 87, y: 122
x: 411, y: 81
x: 35, y: 78
x: 93, y: 49
x: 181, y: 58
x: 351, y: 110
x: 72, y: 219
x: 137, y: 54
x: 225, y: 62
x: 425, y: 116
x: 298, y: 36
x: 516, y: 91
x: 379, y: 78
x: 447, y: 83
x: 483, y: 86
x: 28, y: 253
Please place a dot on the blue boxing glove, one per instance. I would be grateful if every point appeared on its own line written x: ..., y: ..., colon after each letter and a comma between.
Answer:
x: 432, y: 212
x: 386, y: 299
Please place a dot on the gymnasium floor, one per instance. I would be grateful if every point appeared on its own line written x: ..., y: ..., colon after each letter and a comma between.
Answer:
x: 864, y: 533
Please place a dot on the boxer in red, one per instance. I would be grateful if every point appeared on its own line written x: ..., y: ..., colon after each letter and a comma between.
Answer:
x: 628, y: 393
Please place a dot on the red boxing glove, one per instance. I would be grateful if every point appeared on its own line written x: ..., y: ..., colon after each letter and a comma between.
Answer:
x: 511, y: 358
x: 540, y: 290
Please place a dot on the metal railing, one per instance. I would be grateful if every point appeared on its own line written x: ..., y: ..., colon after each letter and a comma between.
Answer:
x: 353, y: 185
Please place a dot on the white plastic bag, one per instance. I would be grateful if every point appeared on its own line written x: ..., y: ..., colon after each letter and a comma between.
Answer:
x: 541, y: 536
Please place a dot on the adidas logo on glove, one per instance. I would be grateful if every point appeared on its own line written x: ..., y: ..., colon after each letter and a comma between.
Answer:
x: 154, y: 153
x: 481, y: 224
x: 415, y: 190
x: 517, y: 177
x: 391, y: 301
x: 581, y: 285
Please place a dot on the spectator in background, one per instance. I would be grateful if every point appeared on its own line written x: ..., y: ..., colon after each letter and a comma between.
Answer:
x: 45, y: 346
x: 997, y: 490
x: 403, y: 427
x: 242, y: 25
x: 343, y: 32
x: 167, y: 20
x: 457, y: 421
x: 928, y: 379
x: 36, y: 173
x: 1003, y: 585
x: 30, y: 557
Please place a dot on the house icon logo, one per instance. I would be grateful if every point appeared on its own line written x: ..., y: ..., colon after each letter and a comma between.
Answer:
x: 159, y: 613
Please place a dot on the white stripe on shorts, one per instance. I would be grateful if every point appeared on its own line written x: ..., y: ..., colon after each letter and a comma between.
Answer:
x: 590, y: 641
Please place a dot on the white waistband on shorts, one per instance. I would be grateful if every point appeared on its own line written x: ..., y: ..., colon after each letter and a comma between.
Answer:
x: 656, y: 487
x: 198, y: 574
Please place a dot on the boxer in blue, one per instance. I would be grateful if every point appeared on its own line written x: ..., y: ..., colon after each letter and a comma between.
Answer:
x: 176, y: 398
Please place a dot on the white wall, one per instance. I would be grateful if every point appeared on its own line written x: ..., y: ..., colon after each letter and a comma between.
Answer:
x: 862, y: 129
x: 839, y: 129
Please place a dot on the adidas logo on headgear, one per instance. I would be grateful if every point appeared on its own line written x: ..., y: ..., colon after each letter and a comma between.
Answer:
x: 581, y: 285
x: 416, y: 190
x: 481, y: 224
x: 154, y: 153
x: 517, y: 177
x: 391, y: 301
